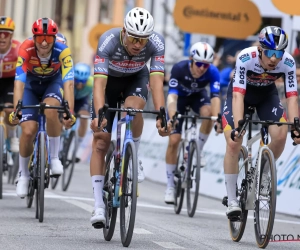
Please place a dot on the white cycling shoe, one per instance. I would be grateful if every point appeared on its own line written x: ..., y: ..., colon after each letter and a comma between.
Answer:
x: 169, y: 195
x: 98, y: 216
x: 56, y: 167
x: 22, y: 186
x: 233, y: 209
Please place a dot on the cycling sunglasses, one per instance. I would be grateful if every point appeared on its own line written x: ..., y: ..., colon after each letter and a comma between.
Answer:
x: 134, y: 39
x: 42, y: 38
x: 5, y: 33
x: 200, y: 64
x: 270, y: 52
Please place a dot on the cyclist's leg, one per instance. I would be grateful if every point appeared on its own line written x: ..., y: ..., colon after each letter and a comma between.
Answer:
x: 7, y: 98
x: 230, y: 159
x: 29, y: 129
x: 272, y: 109
x: 171, y: 153
x: 81, y: 107
x: 136, y: 94
x: 100, y: 145
x: 53, y: 95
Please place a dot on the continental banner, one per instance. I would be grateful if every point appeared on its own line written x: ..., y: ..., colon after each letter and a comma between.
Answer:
x: 291, y: 7
x: 235, y: 19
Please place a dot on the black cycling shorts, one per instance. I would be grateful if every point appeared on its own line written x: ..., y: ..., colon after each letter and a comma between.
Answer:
x: 133, y: 85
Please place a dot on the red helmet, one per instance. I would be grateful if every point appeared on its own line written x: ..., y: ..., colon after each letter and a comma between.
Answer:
x: 44, y: 26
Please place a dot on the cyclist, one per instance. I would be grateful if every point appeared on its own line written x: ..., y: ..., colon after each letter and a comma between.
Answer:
x: 38, y: 78
x: 253, y: 84
x: 187, y: 88
x: 83, y: 95
x: 120, y: 67
x: 8, y: 59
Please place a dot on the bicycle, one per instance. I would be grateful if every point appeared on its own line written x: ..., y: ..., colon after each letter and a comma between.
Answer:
x: 3, y: 152
x: 69, y: 140
x: 187, y: 172
x: 250, y: 194
x: 39, y: 165
x: 120, y: 188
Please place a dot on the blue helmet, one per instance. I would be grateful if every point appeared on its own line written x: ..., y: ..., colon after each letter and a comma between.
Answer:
x: 273, y: 37
x: 82, y: 72
x: 60, y: 37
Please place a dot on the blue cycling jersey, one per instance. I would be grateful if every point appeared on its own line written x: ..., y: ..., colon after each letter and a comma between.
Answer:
x: 182, y: 82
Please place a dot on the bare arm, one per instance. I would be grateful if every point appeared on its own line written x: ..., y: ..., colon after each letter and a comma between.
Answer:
x: 69, y: 93
x: 172, y: 104
x: 237, y: 107
x: 99, y: 92
x: 18, y: 91
x: 156, y: 86
x: 292, y: 105
x: 215, y: 106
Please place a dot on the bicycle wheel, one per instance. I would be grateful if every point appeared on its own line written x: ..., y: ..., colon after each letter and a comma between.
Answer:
x: 193, y: 178
x: 30, y: 188
x: 265, y: 206
x: 237, y: 227
x: 2, y: 141
x: 54, y: 182
x: 41, y: 162
x: 128, y: 185
x: 109, y: 184
x: 178, y: 179
x: 13, y: 170
x: 69, y: 159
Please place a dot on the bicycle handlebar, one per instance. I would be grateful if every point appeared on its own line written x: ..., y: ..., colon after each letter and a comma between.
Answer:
x: 42, y: 106
x: 161, y: 113
x: 242, y: 124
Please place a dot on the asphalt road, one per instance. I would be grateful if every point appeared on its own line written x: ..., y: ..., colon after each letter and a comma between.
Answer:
x: 66, y: 222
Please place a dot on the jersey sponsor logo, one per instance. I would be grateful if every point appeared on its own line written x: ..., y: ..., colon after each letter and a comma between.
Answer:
x: 70, y: 75
x: 31, y: 48
x: 100, y: 70
x: 194, y: 85
x: 216, y: 85
x: 98, y: 59
x: 106, y: 41
x: 116, y: 57
x: 8, y: 66
x: 128, y: 64
x: 289, y: 62
x: 20, y: 61
x: 34, y: 62
x: 41, y: 71
x: 160, y: 59
x: 253, y: 54
x: 118, y: 53
x: 242, y: 75
x: 263, y: 79
x: 67, y: 61
x: 291, y: 79
x: 157, y: 68
x: 244, y: 57
x: 159, y: 45
x: 173, y: 82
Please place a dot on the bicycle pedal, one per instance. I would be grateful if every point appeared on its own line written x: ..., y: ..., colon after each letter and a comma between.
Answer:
x: 225, y: 201
x: 234, y: 218
x: 54, y: 175
x: 77, y: 160
x: 98, y: 225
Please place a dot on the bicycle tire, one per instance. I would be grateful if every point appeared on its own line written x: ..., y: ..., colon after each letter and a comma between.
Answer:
x: 30, y: 186
x: 111, y: 211
x: 179, y: 172
x: 69, y: 164
x: 130, y: 155
x: 41, y: 176
x: 237, y: 228
x: 54, y: 182
x: 192, y: 203
x: 2, y: 141
x: 262, y: 239
x: 13, y: 170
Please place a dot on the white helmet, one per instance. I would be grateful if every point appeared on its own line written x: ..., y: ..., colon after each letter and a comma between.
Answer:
x: 202, y: 52
x: 139, y: 21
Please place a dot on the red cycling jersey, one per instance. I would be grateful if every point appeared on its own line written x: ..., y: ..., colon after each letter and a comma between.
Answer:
x: 8, y: 60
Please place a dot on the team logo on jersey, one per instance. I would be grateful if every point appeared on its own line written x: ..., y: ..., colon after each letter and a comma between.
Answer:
x: 253, y: 54
x: 20, y: 61
x: 8, y: 66
x: 289, y: 62
x: 34, y: 62
x: 128, y: 64
x: 160, y: 59
x: 67, y: 61
x: 41, y: 71
x: 244, y: 57
x: 173, y: 83
x: 98, y: 59
x: 194, y: 85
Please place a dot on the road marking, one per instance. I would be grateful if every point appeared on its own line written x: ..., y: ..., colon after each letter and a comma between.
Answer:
x: 141, y: 231
x: 82, y: 205
x: 145, y: 205
x: 168, y: 245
